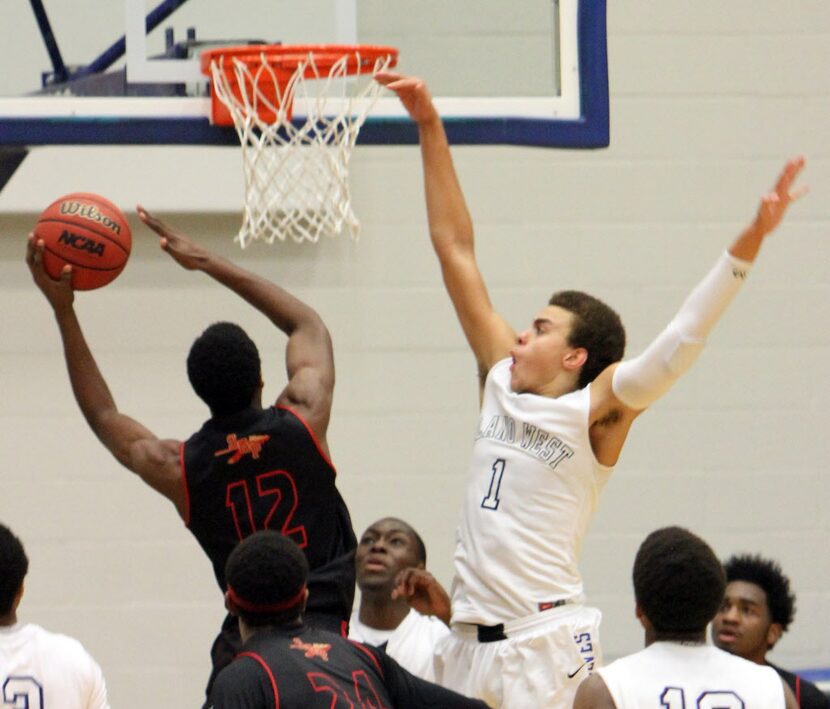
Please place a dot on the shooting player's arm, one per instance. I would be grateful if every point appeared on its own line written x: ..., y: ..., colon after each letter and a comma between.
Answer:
x: 132, y: 444
x: 309, y: 356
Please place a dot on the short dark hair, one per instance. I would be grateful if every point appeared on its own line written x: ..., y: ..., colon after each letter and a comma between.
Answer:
x: 767, y: 575
x: 14, y: 565
x: 678, y: 582
x: 596, y: 327
x: 264, y: 569
x: 224, y: 368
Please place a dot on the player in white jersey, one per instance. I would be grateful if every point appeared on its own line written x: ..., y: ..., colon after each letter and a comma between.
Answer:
x: 399, y: 599
x: 678, y: 587
x: 557, y: 406
x: 39, y: 669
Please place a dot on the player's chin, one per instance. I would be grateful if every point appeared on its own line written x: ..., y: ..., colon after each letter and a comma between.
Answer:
x: 374, y: 578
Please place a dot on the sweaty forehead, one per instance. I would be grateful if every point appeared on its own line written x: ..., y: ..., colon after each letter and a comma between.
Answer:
x: 555, y: 314
x: 389, y: 525
x: 746, y: 592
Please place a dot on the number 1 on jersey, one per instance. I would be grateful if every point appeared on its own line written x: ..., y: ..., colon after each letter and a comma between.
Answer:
x: 491, y: 501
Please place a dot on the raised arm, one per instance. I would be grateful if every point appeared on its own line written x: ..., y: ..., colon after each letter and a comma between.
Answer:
x: 309, y: 357
x: 626, y: 389
x: 133, y: 445
x: 451, y: 228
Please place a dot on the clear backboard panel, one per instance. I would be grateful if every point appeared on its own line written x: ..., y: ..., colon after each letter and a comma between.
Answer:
x: 529, y: 72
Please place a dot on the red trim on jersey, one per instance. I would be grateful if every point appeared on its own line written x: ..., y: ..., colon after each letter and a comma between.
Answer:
x: 266, y: 607
x: 185, y: 486
x: 371, y: 655
x: 310, y: 433
x: 344, y: 628
x: 267, y: 669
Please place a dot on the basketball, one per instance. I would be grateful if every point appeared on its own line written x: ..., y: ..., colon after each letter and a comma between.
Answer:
x: 88, y: 232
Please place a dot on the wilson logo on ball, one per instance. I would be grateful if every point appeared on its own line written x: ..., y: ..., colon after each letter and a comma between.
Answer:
x: 82, y: 243
x: 89, y: 211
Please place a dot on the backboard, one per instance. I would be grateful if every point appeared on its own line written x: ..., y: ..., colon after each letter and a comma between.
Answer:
x: 528, y: 72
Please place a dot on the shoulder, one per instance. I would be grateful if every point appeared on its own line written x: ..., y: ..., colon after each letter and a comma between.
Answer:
x: 593, y: 693
x: 811, y: 696
x: 246, y: 678
x: 62, y: 650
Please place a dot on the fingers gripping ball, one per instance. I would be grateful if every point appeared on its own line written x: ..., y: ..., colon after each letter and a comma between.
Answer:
x: 88, y: 232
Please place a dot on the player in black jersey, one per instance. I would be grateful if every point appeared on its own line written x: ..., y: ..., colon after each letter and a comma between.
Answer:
x: 248, y: 468
x: 286, y: 664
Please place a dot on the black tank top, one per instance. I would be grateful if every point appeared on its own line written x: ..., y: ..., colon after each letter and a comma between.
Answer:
x: 263, y: 469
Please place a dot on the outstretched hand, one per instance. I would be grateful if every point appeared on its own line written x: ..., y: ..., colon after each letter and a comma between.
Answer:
x: 413, y: 93
x: 420, y: 589
x: 183, y: 250
x: 775, y: 203
x: 58, y: 292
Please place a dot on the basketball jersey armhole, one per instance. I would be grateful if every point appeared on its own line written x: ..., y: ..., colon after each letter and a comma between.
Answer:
x: 363, y: 648
x: 605, y: 470
x: 257, y: 658
x: 310, y: 433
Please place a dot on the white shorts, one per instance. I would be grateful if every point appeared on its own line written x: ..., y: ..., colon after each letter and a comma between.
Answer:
x: 538, y: 666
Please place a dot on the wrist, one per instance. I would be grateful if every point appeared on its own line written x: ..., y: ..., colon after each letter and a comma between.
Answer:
x: 430, y: 122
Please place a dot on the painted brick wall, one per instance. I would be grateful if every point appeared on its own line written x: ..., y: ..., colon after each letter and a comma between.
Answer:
x: 707, y: 102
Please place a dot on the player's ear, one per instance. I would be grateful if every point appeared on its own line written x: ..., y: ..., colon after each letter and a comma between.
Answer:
x: 575, y: 358
x: 638, y: 612
x: 774, y: 633
x: 18, y: 596
x: 230, y: 606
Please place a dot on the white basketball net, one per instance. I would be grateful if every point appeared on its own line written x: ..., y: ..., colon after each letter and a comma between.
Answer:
x: 296, y: 172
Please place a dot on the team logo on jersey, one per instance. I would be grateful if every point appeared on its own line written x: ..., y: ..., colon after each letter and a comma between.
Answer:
x: 239, y: 447
x: 311, y: 650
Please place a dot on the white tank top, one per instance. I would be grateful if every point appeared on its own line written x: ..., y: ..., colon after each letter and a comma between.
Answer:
x: 412, y: 644
x: 668, y: 675
x: 41, y: 669
x: 532, y: 488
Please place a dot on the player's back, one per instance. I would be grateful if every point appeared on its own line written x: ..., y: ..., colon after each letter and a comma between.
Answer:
x: 307, y: 668
x: 673, y: 675
x: 264, y: 469
x: 43, y: 669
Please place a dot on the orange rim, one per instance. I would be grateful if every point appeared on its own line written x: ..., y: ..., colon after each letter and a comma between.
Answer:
x: 287, y: 57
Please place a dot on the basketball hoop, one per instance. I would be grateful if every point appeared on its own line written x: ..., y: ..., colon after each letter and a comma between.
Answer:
x: 297, y: 117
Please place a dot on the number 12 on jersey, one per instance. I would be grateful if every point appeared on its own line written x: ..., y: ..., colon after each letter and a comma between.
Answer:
x: 491, y: 500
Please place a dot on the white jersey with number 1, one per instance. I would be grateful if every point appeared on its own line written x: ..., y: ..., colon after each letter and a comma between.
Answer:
x: 670, y: 675
x: 532, y: 488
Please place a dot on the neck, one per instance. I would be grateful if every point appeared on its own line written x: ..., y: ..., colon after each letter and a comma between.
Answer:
x: 694, y: 638
x: 379, y: 611
x: 246, y: 632
x: 563, y: 383
x: 759, y: 658
x: 8, y: 619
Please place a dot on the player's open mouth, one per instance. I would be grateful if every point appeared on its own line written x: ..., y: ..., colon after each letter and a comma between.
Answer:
x: 374, y: 565
x: 727, y: 636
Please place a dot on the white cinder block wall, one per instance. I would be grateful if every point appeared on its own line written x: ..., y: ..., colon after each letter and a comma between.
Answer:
x: 707, y: 102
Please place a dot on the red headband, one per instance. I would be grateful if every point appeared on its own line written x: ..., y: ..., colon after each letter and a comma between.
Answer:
x: 265, y: 607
